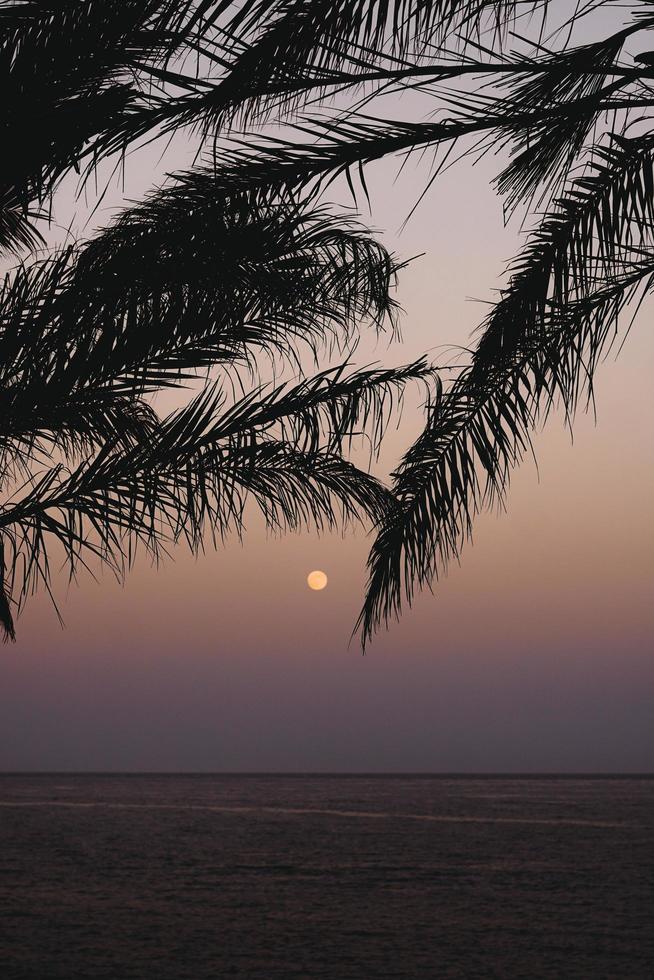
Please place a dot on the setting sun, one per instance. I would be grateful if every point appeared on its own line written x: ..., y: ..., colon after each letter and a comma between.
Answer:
x: 316, y: 580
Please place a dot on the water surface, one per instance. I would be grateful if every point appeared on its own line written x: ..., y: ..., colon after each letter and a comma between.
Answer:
x: 334, y: 877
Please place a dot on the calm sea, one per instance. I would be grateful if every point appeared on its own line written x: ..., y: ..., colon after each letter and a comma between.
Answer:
x: 325, y: 876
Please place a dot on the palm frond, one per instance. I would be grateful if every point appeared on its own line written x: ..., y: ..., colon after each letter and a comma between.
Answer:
x: 325, y: 33
x: 238, y: 258
x: 185, y: 281
x: 577, y: 243
x: 6, y: 617
x: 476, y: 434
x: 545, y: 152
x: 198, y: 468
x: 266, y: 166
x: 540, y: 345
x: 73, y: 70
x: 18, y: 231
x: 327, y: 410
x: 246, y: 257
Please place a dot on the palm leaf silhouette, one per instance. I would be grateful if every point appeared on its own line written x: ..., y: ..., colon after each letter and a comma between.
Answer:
x: 239, y: 262
x: 197, y: 277
x: 590, y: 257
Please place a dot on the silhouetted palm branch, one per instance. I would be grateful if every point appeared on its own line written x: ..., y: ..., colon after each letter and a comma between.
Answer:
x: 197, y: 468
x: 196, y: 277
x: 590, y: 257
x: 180, y: 283
x: 238, y: 257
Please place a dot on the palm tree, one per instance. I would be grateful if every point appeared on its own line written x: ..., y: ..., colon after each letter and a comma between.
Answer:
x: 92, y: 331
x: 574, y: 121
x: 201, y: 276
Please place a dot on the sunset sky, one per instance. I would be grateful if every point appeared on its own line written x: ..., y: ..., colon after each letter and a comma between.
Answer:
x: 534, y: 654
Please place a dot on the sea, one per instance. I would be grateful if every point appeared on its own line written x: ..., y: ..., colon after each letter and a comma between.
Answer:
x: 341, y: 877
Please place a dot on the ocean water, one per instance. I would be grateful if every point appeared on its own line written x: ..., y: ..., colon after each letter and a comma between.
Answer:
x: 331, y: 877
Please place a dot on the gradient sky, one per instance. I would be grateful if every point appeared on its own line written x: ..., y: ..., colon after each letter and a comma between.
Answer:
x: 534, y: 654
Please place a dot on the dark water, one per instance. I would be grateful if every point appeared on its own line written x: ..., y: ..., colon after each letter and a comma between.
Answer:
x: 329, y: 877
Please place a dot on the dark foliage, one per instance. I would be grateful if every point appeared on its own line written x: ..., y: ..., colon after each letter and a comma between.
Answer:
x: 197, y: 279
x: 239, y: 261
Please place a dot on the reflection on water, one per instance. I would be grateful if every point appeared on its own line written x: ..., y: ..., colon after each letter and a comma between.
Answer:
x: 329, y: 877
x: 299, y: 811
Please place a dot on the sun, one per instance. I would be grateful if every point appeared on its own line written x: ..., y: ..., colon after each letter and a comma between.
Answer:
x: 316, y: 580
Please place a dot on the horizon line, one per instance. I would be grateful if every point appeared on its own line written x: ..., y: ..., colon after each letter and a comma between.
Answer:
x: 325, y: 774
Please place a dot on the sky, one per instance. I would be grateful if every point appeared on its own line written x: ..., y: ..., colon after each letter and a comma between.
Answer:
x: 534, y: 654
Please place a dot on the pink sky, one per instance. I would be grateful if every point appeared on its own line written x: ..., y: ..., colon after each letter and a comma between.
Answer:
x: 534, y: 654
